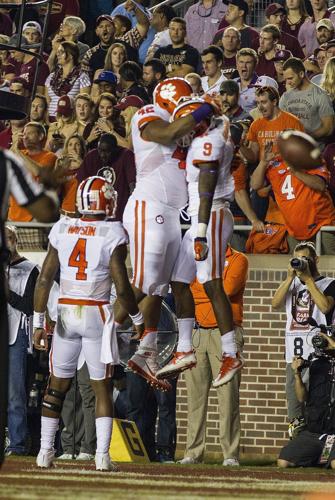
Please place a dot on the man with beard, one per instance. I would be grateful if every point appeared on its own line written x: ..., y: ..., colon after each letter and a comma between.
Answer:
x: 115, y: 164
x: 39, y: 111
x: 153, y: 72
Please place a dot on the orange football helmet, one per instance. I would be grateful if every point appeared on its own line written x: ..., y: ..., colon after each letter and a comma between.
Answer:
x: 184, y: 108
x: 169, y: 91
x: 96, y: 196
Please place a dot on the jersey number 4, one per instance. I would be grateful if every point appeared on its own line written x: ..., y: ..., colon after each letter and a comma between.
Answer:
x: 287, y: 188
x: 78, y: 259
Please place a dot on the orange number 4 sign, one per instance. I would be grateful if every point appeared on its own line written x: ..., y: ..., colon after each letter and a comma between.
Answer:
x: 78, y: 259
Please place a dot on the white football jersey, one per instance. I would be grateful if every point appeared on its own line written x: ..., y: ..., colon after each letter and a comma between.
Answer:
x: 158, y: 176
x: 84, y: 251
x: 208, y: 147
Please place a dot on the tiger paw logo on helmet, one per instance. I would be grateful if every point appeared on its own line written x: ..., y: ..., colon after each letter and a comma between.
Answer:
x: 168, y: 91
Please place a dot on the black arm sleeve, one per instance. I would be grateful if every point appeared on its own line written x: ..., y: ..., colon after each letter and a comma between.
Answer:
x: 25, y: 303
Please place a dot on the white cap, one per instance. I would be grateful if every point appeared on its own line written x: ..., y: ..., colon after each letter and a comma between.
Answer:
x: 32, y: 24
x: 266, y: 81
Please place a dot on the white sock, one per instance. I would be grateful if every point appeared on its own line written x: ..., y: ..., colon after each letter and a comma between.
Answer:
x: 228, y: 344
x: 104, y: 427
x: 149, y: 340
x: 49, y: 427
x: 185, y: 328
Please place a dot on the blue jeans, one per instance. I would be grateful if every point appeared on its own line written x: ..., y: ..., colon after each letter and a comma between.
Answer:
x: 17, y: 395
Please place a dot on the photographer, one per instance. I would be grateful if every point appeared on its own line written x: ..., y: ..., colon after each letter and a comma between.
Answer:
x: 314, y: 445
x: 305, y: 293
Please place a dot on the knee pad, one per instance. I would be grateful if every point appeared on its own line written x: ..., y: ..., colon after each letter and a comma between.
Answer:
x: 55, y: 407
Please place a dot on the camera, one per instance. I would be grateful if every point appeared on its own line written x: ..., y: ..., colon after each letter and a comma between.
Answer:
x: 299, y: 264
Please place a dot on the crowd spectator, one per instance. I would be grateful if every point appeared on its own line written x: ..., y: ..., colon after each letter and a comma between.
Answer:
x: 153, y: 72
x: 64, y: 126
x: 296, y: 14
x: 311, y: 104
x: 160, y: 21
x: 34, y: 155
x: 202, y: 22
x: 11, y: 136
x: 104, y: 120
x: 280, y: 57
x: 21, y: 275
x: 68, y: 79
x: 39, y: 111
x: 113, y: 162
x: 115, y: 57
x: 328, y: 81
x: 320, y: 59
x: 236, y: 16
x: 105, y: 82
x: 195, y: 81
x: 275, y: 14
x: 127, y: 106
x: 69, y: 31
x: 268, y: 41
x: 83, y: 105
x: 179, y: 58
x: 212, y: 63
x: 19, y: 86
x: 131, y: 81
x: 307, y: 33
x: 7, y: 68
x: 231, y: 43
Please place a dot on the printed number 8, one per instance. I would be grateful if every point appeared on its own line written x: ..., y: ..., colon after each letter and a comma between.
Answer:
x: 298, y: 346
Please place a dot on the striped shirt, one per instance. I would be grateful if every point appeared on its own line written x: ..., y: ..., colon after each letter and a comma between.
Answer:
x: 83, y: 81
x: 17, y: 181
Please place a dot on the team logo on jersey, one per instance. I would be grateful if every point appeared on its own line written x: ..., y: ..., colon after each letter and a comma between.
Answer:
x: 108, y: 173
x: 160, y: 219
x: 168, y: 91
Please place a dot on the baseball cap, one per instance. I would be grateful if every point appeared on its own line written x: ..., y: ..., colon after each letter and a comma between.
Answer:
x: 106, y: 76
x: 104, y: 17
x: 241, y: 4
x: 65, y: 106
x: 266, y: 81
x: 274, y: 8
x: 129, y: 100
x: 32, y: 24
x: 325, y: 23
x: 282, y: 55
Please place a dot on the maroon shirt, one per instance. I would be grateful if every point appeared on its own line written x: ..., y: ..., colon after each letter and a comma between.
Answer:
x: 6, y: 138
x: 27, y: 71
x: 288, y: 42
x: 229, y: 66
x: 292, y: 29
x: 123, y: 164
x: 266, y: 67
x: 249, y: 36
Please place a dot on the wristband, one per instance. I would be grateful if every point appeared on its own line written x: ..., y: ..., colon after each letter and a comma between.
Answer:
x: 202, y: 113
x: 137, y: 319
x: 38, y: 319
x: 202, y: 230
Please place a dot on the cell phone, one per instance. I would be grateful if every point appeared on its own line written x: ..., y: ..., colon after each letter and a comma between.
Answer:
x: 142, y: 9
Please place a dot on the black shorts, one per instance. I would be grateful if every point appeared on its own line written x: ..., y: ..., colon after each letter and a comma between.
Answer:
x: 305, y: 450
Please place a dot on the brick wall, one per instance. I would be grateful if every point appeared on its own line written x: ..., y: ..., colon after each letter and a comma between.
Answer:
x: 262, y: 394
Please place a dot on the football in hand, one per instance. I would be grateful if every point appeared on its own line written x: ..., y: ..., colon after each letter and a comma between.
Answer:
x: 299, y: 150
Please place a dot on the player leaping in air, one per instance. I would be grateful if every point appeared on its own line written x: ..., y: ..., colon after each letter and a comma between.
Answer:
x: 203, y: 249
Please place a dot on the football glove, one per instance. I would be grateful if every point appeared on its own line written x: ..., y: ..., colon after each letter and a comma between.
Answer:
x: 200, y: 248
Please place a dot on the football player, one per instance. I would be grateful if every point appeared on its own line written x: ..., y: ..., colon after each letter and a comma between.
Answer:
x: 151, y: 216
x: 203, y: 249
x: 91, y: 253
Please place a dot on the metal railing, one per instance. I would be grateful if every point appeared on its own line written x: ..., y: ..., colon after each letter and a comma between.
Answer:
x: 36, y: 233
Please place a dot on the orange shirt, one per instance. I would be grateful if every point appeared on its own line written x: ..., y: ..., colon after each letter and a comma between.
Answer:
x: 263, y: 130
x: 304, y: 209
x: 69, y: 192
x: 44, y: 159
x: 234, y: 280
x: 240, y: 175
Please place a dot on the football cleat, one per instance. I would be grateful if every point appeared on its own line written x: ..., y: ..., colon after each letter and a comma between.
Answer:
x: 45, y: 458
x: 85, y: 456
x: 231, y: 462
x: 180, y: 362
x: 144, y: 363
x: 103, y: 463
x: 229, y: 366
